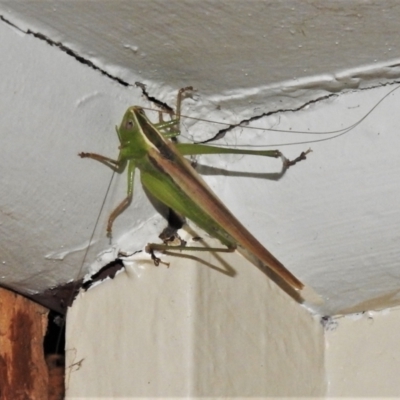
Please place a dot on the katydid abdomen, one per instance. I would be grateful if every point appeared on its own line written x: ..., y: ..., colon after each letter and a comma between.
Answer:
x: 175, y: 183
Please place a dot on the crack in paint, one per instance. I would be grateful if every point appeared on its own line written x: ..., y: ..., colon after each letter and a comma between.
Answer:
x: 221, y: 133
x: 66, y: 50
x: 153, y: 99
x: 89, y: 63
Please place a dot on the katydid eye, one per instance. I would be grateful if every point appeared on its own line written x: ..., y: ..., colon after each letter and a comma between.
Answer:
x: 129, y: 124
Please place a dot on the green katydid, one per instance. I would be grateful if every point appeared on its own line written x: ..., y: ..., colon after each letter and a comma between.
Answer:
x: 170, y: 178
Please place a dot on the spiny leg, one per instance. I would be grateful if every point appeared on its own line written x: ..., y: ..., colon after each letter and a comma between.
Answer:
x: 120, y: 208
x: 124, y: 203
x: 151, y: 247
x: 115, y: 165
x: 288, y: 163
x: 171, y: 129
x: 179, y: 100
x: 197, y: 149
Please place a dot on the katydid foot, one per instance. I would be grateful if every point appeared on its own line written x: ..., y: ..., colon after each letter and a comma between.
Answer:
x: 288, y: 163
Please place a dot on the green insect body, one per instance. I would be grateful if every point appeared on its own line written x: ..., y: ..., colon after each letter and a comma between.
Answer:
x: 170, y: 178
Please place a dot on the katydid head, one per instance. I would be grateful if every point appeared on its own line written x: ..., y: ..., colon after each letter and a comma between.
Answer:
x: 128, y: 126
x: 133, y: 133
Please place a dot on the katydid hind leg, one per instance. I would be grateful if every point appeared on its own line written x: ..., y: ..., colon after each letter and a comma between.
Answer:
x: 288, y: 163
x: 198, y: 149
x: 165, y: 248
x: 191, y: 149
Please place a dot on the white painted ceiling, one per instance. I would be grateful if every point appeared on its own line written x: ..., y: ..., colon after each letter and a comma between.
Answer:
x: 332, y: 220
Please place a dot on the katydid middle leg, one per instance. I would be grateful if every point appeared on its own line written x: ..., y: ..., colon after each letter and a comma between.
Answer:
x: 124, y: 203
x: 117, y: 166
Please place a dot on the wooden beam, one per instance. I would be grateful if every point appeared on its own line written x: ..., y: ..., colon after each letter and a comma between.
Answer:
x: 23, y: 369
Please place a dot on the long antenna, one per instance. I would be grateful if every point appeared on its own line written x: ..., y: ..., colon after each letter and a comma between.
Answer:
x: 76, y: 280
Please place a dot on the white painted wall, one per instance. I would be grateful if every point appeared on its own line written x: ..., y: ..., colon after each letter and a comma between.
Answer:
x: 362, y: 355
x: 192, y: 331
x: 53, y: 108
x: 247, y: 50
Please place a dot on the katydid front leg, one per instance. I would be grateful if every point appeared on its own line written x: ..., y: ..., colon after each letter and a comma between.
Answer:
x: 180, y: 98
x: 116, y: 165
x: 166, y: 127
